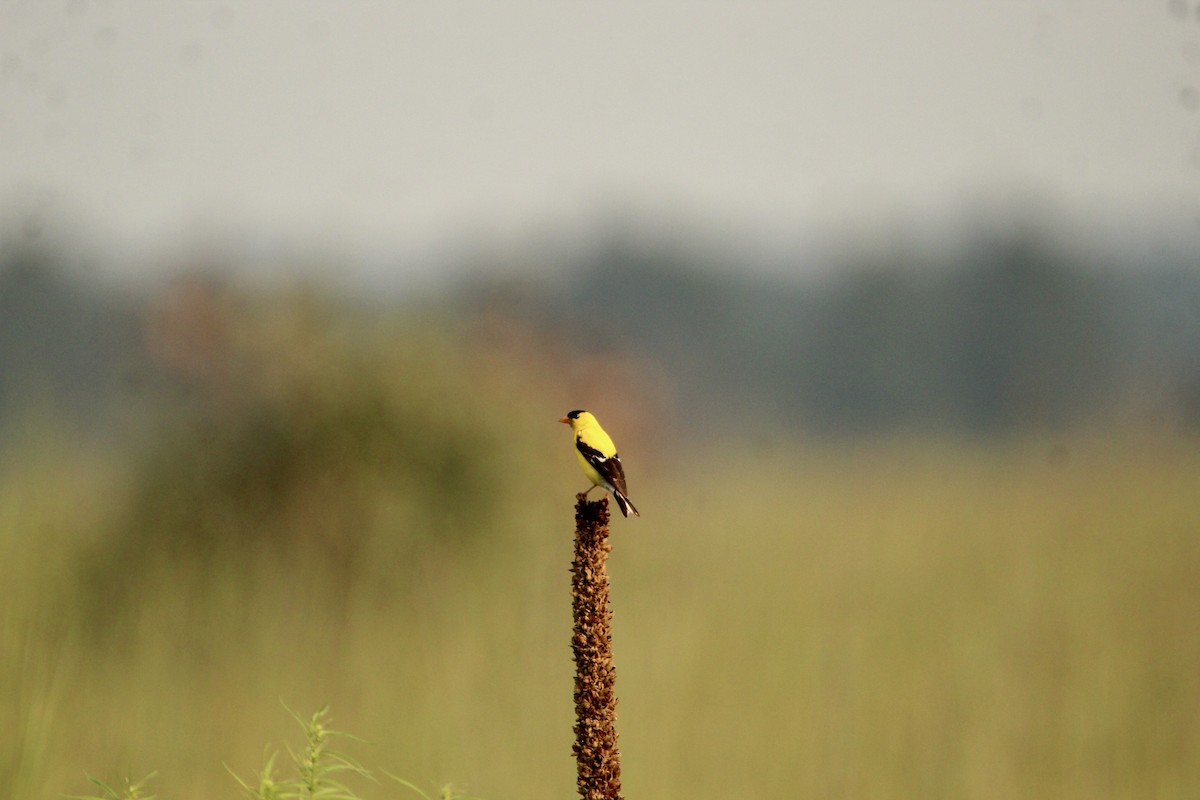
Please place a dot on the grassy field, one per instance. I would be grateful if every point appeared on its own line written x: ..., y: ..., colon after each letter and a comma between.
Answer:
x: 898, y: 620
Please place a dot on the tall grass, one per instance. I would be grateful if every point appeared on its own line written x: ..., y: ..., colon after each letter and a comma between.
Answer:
x: 934, y: 622
x: 1013, y: 619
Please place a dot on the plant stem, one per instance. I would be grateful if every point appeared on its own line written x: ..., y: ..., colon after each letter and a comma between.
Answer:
x: 596, y: 754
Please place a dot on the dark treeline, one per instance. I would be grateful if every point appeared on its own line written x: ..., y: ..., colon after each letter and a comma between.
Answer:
x: 1008, y: 332
x: 66, y: 344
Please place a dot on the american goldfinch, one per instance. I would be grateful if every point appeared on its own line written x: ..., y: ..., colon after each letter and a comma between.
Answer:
x: 598, y: 456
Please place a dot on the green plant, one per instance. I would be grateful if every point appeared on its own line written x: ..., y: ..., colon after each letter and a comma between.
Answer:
x: 319, y: 767
x: 131, y: 791
x: 446, y: 792
x: 319, y: 772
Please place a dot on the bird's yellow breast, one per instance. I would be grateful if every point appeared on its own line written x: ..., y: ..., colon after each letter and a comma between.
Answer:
x: 588, y: 470
x: 588, y: 431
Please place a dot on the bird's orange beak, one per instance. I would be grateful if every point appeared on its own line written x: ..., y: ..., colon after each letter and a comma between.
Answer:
x: 565, y: 420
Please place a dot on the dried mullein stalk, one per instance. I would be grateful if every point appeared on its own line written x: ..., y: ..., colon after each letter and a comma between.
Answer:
x: 596, y: 754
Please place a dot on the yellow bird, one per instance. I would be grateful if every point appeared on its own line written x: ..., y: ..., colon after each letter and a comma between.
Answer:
x: 598, y: 456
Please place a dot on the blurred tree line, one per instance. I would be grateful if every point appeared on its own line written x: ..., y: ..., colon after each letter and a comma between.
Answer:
x: 1006, y: 333
x: 63, y: 340
x: 257, y: 429
x: 258, y: 432
x: 1003, y: 333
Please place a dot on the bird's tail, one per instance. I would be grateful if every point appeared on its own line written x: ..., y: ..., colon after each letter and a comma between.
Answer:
x: 625, y: 505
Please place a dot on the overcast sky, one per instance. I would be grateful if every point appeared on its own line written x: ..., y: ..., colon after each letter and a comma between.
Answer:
x: 403, y: 124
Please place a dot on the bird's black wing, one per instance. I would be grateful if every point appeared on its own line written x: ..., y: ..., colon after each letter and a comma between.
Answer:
x: 609, y: 467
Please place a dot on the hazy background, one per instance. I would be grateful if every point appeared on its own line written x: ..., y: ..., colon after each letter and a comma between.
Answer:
x: 394, y: 129
x: 893, y: 309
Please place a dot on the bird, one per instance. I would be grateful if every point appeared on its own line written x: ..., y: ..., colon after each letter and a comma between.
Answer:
x: 598, y: 457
